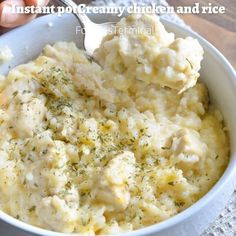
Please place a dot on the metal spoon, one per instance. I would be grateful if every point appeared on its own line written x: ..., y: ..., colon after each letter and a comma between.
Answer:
x: 92, y: 33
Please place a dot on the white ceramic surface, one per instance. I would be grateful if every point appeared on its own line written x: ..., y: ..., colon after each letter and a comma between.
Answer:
x: 27, y: 42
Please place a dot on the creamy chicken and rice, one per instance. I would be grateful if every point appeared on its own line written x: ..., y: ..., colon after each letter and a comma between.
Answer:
x: 113, y: 146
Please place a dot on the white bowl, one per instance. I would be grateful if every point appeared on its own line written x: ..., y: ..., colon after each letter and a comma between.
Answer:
x: 27, y: 42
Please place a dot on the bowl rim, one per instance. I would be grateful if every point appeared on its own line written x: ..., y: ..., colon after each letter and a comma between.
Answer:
x: 228, y: 174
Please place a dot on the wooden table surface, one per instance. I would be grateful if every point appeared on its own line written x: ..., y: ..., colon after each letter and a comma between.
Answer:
x: 219, y: 29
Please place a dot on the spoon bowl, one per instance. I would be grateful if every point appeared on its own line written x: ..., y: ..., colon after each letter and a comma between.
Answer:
x: 92, y: 33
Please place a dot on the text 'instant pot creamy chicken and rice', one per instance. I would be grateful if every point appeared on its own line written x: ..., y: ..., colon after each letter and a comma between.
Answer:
x: 110, y: 147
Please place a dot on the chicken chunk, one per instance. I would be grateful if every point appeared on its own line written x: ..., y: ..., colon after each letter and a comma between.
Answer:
x: 187, y: 146
x: 112, y: 185
x: 52, y: 210
x: 28, y: 117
